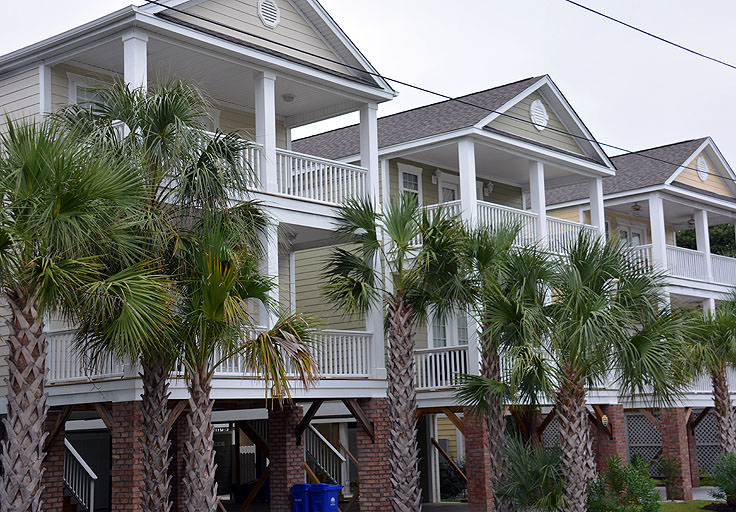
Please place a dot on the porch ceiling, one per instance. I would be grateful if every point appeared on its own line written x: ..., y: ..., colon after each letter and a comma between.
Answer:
x: 675, y: 213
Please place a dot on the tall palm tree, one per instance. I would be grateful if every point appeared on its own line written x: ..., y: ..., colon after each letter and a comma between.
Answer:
x: 713, y: 351
x: 66, y: 204
x: 182, y: 170
x: 382, y: 268
x: 219, y: 278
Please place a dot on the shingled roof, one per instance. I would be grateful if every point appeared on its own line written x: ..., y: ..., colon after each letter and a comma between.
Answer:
x: 634, y: 170
x: 445, y: 116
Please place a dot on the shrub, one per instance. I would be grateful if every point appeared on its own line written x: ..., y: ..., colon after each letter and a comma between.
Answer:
x: 624, y: 488
x: 724, y: 477
x: 533, y: 479
x: 672, y: 468
x: 452, y: 485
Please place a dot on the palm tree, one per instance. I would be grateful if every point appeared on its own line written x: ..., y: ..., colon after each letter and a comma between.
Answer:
x: 182, y: 170
x: 219, y: 278
x: 65, y: 205
x: 713, y: 351
x: 383, y: 268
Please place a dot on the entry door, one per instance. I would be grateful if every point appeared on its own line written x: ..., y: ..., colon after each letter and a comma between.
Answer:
x: 633, y: 236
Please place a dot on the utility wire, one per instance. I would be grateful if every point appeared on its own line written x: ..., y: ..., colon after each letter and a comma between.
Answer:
x: 647, y: 33
x: 429, y: 91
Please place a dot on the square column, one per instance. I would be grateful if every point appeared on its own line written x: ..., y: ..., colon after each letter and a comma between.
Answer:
x: 538, y: 199
x: 615, y: 444
x: 468, y: 190
x: 369, y: 149
x: 702, y: 239
x: 44, y: 90
x: 374, y: 471
x: 597, y: 215
x: 675, y: 446
x: 126, y: 441
x: 286, y: 457
x: 478, y: 463
x: 265, y: 83
x: 270, y: 268
x: 135, y: 58
x: 659, y: 241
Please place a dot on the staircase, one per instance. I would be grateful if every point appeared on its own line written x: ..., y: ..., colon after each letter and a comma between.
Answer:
x: 79, y: 480
x: 321, y: 455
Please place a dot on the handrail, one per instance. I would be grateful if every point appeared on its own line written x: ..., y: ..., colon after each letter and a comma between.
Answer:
x: 327, y: 443
x: 320, y: 159
x: 79, y: 459
x: 507, y: 208
x: 434, y: 350
x: 79, y: 478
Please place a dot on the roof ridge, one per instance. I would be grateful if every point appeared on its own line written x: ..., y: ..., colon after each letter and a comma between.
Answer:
x: 659, y: 147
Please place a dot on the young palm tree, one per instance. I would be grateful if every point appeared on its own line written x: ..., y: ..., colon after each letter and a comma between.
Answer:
x: 219, y: 277
x: 713, y: 351
x: 182, y: 170
x: 65, y: 204
x: 412, y: 284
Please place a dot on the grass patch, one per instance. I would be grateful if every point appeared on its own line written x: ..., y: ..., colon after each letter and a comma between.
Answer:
x: 687, y: 506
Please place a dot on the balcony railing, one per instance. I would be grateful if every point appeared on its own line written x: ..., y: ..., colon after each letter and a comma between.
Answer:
x: 66, y: 364
x: 440, y: 367
x: 687, y: 263
x: 562, y: 234
x: 497, y: 216
x: 724, y: 269
x: 448, y: 208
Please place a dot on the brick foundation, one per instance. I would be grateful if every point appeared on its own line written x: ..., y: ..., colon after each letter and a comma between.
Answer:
x: 373, y: 475
x: 606, y: 446
x: 127, y: 456
x: 286, y: 457
x: 53, y: 464
x: 179, y: 434
x: 477, y: 463
x: 675, y: 445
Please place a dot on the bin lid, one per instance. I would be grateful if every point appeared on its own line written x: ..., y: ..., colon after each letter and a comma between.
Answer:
x: 324, y: 487
x: 300, y: 487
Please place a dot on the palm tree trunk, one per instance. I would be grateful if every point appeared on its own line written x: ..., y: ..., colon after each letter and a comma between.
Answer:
x: 199, y: 450
x: 22, y: 453
x: 155, y: 488
x: 575, y: 443
x: 495, y: 422
x: 406, y: 493
x: 724, y: 411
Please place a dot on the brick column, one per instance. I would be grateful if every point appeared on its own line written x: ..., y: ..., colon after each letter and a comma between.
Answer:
x: 675, y: 445
x: 374, y: 471
x: 477, y: 463
x: 607, y: 446
x: 285, y: 456
x: 179, y: 435
x: 693, y: 451
x: 126, y: 472
x: 53, y: 464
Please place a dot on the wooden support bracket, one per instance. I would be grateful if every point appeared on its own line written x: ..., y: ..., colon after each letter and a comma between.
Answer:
x: 449, y: 460
x: 649, y: 416
x: 357, y: 412
x: 546, y: 421
x: 454, y: 419
x: 599, y: 416
x: 256, y: 489
x: 311, y: 474
x: 700, y: 417
x: 104, y: 415
x: 304, y: 423
x: 66, y: 411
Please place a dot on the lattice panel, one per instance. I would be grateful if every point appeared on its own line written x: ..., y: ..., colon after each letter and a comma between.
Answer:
x: 644, y: 441
x: 706, y: 438
x: 551, y: 436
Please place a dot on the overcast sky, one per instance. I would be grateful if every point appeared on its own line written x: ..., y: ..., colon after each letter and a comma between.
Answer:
x: 630, y: 90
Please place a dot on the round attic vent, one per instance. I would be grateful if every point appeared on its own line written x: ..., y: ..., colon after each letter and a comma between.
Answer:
x: 703, y: 170
x: 269, y: 13
x: 538, y: 114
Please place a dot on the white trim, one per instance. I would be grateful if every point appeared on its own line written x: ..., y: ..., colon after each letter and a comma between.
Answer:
x: 76, y: 80
x: 416, y: 171
x: 45, y: 99
x: 687, y: 162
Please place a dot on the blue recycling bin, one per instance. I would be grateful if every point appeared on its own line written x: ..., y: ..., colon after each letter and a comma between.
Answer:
x: 324, y: 497
x: 300, y: 499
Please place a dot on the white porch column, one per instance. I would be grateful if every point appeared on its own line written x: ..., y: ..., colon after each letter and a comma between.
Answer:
x: 135, y: 58
x: 44, y: 90
x: 709, y: 306
x: 468, y: 190
x: 265, y: 83
x: 369, y: 149
x: 270, y: 267
x: 702, y: 238
x: 537, y: 199
x: 656, y: 222
x: 597, y: 215
x: 386, y: 183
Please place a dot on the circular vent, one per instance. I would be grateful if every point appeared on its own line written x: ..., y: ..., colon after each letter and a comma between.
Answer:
x: 538, y: 114
x: 269, y: 13
x: 703, y: 169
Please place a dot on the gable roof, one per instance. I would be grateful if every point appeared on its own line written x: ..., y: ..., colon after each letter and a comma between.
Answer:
x: 636, y: 170
x: 418, y: 123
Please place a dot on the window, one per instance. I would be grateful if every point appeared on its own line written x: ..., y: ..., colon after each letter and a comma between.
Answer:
x: 462, y: 329
x: 410, y: 182
x: 80, y: 89
x: 439, y: 332
x: 449, y: 331
x: 631, y: 235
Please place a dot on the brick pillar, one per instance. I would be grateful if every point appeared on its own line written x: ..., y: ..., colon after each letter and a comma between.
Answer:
x: 477, y: 463
x: 179, y: 435
x: 373, y: 480
x: 126, y: 472
x: 693, y: 451
x: 285, y: 456
x: 675, y: 446
x: 53, y: 464
x: 607, y: 446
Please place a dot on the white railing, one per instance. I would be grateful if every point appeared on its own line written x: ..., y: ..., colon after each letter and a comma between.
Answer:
x: 642, y: 255
x: 66, y: 364
x: 318, y: 179
x: 496, y: 216
x: 687, y: 263
x: 449, y: 208
x: 440, y: 367
x: 562, y: 234
x: 79, y: 478
x: 252, y: 160
x: 724, y: 269
x: 321, y: 452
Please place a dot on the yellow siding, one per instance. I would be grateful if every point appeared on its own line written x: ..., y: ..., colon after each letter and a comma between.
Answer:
x: 293, y: 29
x: 446, y: 430
x: 616, y: 220
x: 244, y: 124
x: 525, y: 129
x: 19, y: 96
x: 571, y: 214
x: 714, y: 184
x: 309, y: 296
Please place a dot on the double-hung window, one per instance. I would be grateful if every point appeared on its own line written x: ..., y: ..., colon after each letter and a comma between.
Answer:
x: 410, y: 182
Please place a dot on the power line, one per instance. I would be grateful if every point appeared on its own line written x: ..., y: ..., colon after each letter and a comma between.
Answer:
x: 424, y: 89
x: 647, y: 33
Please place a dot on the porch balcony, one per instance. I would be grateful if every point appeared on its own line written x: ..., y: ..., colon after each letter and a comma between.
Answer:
x: 692, y: 264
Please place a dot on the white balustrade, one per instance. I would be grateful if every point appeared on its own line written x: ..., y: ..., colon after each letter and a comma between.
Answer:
x: 79, y: 478
x: 320, y: 452
x: 318, y: 179
x: 251, y: 156
x: 562, y: 234
x: 66, y: 364
x: 449, y: 208
x: 440, y: 367
x: 642, y: 255
x: 724, y: 269
x: 496, y: 216
x: 686, y: 263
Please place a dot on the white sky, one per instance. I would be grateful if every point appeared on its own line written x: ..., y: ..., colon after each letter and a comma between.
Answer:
x: 629, y: 89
